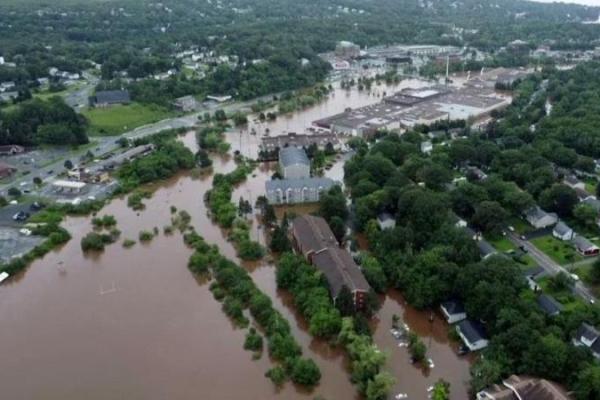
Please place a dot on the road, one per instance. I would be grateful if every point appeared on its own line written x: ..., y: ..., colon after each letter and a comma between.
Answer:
x: 106, y: 144
x: 550, y: 266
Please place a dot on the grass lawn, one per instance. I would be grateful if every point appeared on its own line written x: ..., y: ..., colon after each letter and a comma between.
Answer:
x: 118, y: 119
x: 502, y: 244
x: 561, y: 252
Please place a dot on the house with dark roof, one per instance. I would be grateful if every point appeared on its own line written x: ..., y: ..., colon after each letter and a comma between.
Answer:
x: 296, y: 191
x: 106, y: 98
x: 454, y: 311
x: 11, y: 150
x: 549, y: 305
x: 6, y: 170
x: 573, y: 182
x: 531, y: 275
x: 589, y: 337
x: 313, y: 239
x: 539, y: 218
x: 294, y: 163
x: 562, y: 231
x: 585, y: 247
x: 485, y: 248
x: 472, y: 334
x: 524, y: 388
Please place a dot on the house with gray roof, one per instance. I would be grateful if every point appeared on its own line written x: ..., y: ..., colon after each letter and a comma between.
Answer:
x: 585, y: 247
x: 562, y: 231
x: 592, y: 202
x: 539, y: 218
x: 485, y: 248
x: 454, y: 311
x: 589, y: 337
x: 549, y: 305
x: 297, y: 191
x: 472, y: 334
x: 294, y: 163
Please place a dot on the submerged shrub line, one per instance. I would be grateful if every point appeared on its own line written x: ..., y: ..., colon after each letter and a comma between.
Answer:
x: 236, y: 291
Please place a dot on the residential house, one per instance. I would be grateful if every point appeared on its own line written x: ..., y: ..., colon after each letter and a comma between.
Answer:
x: 8, y: 96
x: 294, y: 163
x: 106, y: 98
x: 531, y: 276
x: 386, y: 221
x: 573, y: 182
x: 539, y: 218
x: 562, y: 231
x: 6, y: 170
x: 589, y: 337
x: 454, y: 311
x: 476, y: 173
x: 583, y: 194
x: 592, y: 202
x: 549, y: 305
x: 313, y: 239
x: 472, y: 334
x: 295, y: 191
x: 186, y: 103
x: 7, y: 86
x: 485, y: 248
x: 524, y: 388
x: 585, y: 247
x: 11, y: 150
x: 426, y: 147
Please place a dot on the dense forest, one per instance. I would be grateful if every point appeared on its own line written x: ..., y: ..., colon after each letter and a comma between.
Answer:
x: 42, y: 122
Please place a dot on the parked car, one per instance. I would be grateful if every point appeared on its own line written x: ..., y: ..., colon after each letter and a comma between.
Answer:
x: 21, y: 216
x: 36, y: 206
x: 575, y: 277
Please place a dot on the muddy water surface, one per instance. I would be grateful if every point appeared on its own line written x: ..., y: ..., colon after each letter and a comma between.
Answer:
x: 135, y: 324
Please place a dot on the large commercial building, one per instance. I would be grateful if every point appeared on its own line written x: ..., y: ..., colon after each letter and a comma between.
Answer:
x: 411, y: 107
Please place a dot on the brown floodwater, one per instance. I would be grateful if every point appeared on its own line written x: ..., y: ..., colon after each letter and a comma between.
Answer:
x: 135, y: 323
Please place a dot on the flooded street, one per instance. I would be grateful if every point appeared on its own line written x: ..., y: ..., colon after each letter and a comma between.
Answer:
x: 135, y: 323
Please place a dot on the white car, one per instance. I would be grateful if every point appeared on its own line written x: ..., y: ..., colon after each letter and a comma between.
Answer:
x: 25, y: 232
x: 575, y: 277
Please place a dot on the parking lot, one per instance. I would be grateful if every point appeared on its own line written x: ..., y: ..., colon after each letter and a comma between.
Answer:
x: 14, y: 244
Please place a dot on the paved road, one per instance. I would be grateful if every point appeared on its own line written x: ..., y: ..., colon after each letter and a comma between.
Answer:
x: 550, y: 266
x: 109, y: 143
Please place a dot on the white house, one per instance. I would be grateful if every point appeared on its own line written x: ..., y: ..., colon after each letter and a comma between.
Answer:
x: 562, y: 231
x: 472, y: 334
x: 294, y: 163
x: 589, y: 337
x: 453, y: 311
x: 426, y: 147
x: 386, y: 221
x: 539, y: 218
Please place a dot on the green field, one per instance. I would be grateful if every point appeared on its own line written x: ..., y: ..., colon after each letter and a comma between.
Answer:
x: 118, y: 119
x: 561, y: 252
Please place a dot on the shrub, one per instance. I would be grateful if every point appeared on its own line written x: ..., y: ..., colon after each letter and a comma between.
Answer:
x: 254, y: 341
x: 146, y: 236
x: 277, y: 375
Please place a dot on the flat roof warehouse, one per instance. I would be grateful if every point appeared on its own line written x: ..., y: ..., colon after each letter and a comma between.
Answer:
x: 411, y: 107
